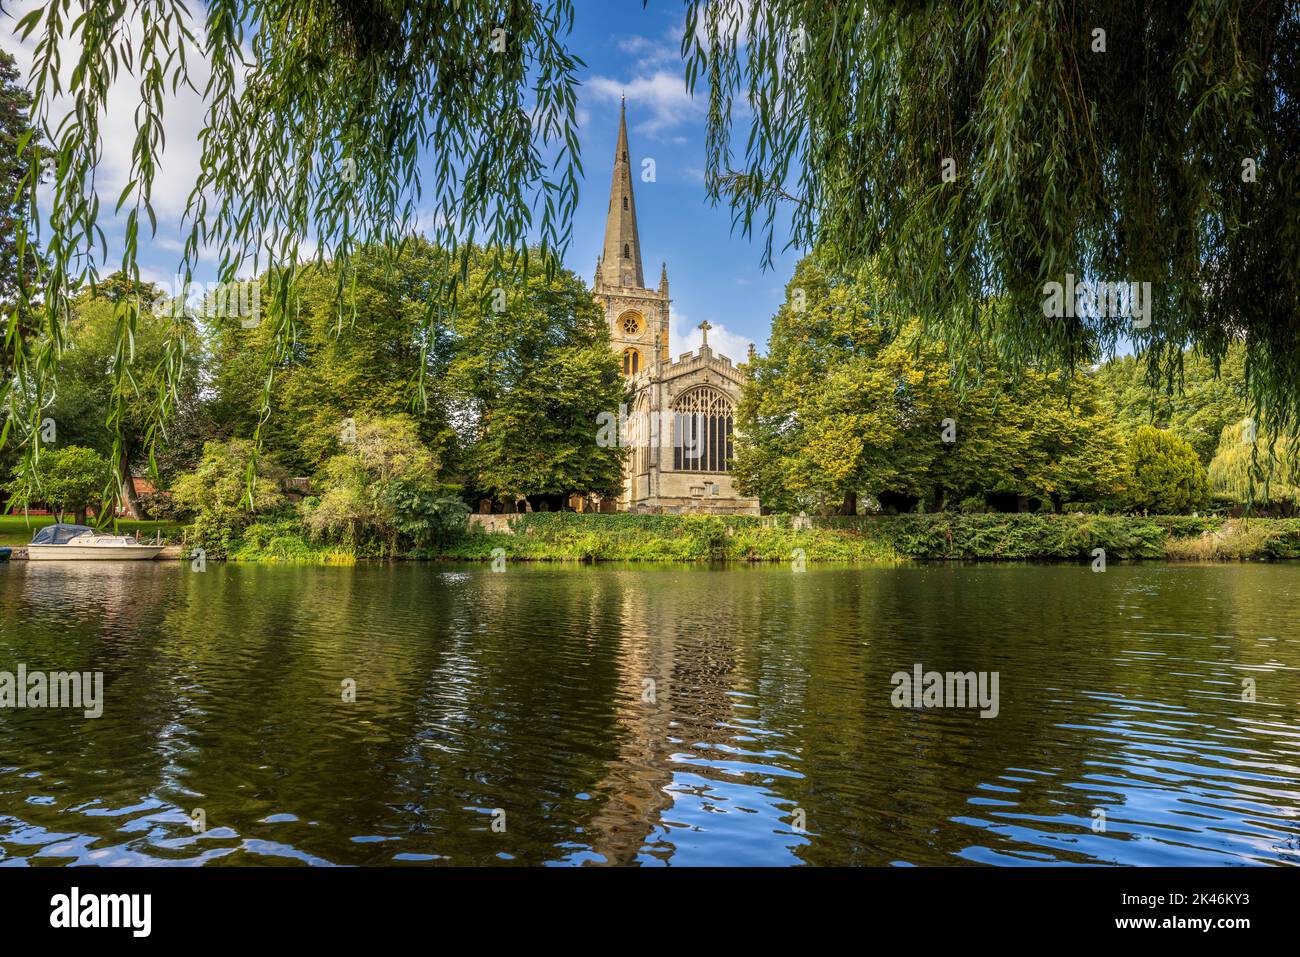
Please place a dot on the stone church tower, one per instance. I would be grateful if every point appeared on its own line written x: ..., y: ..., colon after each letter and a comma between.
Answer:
x: 682, y: 413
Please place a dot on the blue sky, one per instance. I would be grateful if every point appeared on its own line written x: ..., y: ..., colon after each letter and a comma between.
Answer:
x: 628, y: 49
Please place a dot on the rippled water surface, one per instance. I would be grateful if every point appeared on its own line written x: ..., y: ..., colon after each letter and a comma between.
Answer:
x: 653, y: 715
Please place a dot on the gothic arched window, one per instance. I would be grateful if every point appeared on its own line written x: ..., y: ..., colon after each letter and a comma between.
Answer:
x: 640, y: 433
x: 625, y: 202
x: 627, y: 251
x: 631, y: 361
x: 702, y: 431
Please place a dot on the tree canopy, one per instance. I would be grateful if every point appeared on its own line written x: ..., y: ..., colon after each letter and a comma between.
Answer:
x: 220, y: 499
x: 985, y: 149
x: 845, y: 404
x: 1166, y: 475
x: 364, y: 361
x: 1195, y: 405
x: 982, y: 151
x: 68, y: 480
x: 19, y: 149
x: 82, y: 405
x: 530, y: 370
x: 513, y: 374
x: 317, y: 120
x: 1250, y: 467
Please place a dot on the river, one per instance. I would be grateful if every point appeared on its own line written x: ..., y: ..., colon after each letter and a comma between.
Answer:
x: 416, y: 713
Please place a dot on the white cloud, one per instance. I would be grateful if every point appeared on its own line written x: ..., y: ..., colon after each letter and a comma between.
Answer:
x: 650, y: 52
x: 658, y: 82
x: 686, y: 336
x: 662, y: 93
x: 736, y: 18
x: 183, y: 116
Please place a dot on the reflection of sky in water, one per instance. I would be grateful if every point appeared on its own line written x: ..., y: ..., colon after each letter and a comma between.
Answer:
x: 523, y: 694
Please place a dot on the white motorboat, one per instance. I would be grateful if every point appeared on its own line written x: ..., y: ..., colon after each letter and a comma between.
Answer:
x: 79, y: 543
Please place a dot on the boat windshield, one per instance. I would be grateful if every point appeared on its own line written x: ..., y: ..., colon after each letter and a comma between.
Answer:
x: 59, y: 534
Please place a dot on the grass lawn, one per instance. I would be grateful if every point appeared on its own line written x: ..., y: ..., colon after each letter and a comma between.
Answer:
x: 19, y: 529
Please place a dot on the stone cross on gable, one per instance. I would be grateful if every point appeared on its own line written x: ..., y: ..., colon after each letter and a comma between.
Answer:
x: 704, y: 328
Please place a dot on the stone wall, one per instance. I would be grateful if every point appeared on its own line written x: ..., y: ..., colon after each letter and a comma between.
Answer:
x: 492, y: 523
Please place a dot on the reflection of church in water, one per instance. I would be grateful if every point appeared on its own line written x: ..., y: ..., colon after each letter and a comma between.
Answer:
x: 682, y: 413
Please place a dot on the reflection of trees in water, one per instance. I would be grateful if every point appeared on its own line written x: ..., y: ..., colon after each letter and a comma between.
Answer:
x: 535, y: 724
x: 480, y: 713
x: 454, y: 691
x: 87, y: 617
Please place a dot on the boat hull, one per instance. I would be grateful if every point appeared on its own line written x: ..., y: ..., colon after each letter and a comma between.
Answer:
x: 92, y: 553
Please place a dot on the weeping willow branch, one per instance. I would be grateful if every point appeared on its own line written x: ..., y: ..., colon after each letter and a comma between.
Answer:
x: 329, y: 125
x: 978, y: 151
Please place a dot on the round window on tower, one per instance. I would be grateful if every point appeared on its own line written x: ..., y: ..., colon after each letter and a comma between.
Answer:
x: 630, y: 323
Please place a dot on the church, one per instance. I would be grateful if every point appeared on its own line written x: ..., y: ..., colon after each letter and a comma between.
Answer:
x: 681, y: 415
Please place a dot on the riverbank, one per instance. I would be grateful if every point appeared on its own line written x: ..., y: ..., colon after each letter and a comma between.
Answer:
x: 572, y: 537
x: 17, y: 530
x: 876, y: 540
x: 1075, y: 537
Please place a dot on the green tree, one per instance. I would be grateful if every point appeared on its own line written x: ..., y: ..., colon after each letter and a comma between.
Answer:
x: 228, y: 489
x: 530, y: 373
x: 1193, y: 400
x: 376, y: 487
x: 21, y: 145
x: 1254, y: 469
x: 339, y: 121
x: 345, y: 364
x: 981, y: 150
x: 842, y: 404
x: 828, y: 411
x: 83, y: 400
x: 986, y: 149
x: 1165, y: 476
x: 69, y: 479
x: 1032, y: 436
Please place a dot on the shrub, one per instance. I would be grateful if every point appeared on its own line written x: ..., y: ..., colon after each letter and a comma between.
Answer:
x: 1164, y: 473
x: 284, y: 540
x: 382, y: 489
x: 217, y: 494
x: 159, y: 506
x: 67, y: 480
x: 424, y: 516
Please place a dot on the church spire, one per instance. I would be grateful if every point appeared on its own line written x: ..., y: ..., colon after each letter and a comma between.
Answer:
x: 621, y: 265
